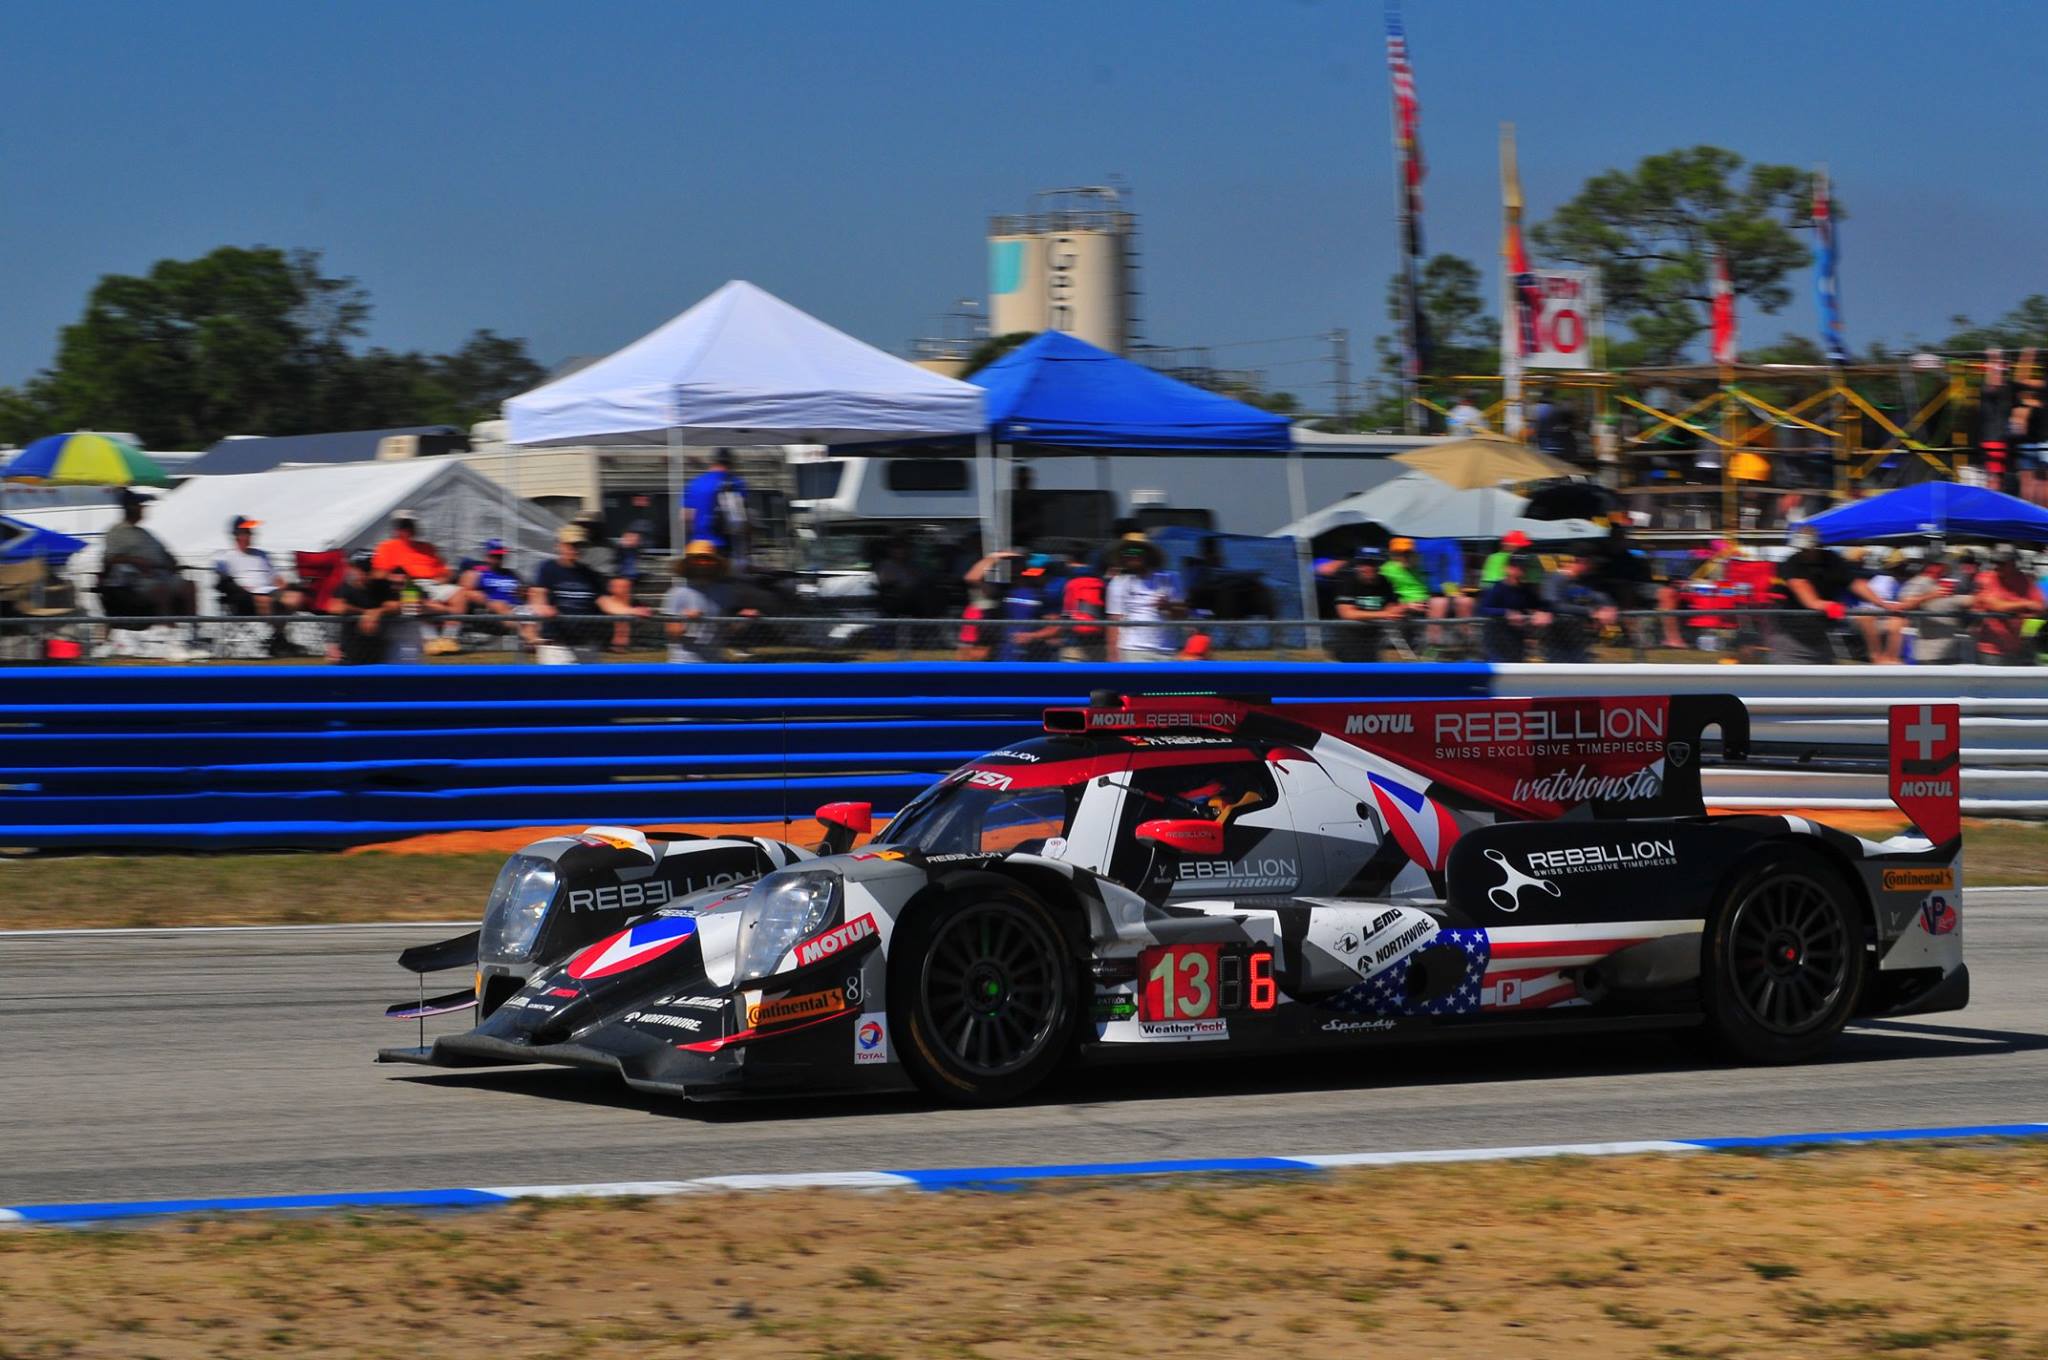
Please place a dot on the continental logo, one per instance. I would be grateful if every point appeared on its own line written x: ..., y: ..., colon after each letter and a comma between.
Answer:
x: 1919, y: 880
x: 783, y: 1010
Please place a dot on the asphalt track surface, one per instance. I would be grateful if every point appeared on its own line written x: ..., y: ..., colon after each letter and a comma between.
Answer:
x: 167, y: 1064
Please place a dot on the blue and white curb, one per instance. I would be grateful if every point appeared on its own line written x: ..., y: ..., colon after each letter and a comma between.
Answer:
x: 971, y: 1177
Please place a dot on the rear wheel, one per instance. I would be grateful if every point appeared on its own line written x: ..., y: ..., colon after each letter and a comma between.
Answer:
x: 1785, y: 959
x: 984, y: 988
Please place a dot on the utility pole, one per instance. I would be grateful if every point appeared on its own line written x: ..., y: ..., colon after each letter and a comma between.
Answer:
x: 1340, y: 364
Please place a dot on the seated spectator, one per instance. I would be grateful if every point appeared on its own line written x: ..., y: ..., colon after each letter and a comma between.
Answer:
x: 1368, y: 605
x: 138, y: 576
x: 1578, y: 609
x: 1513, y: 610
x: 1143, y: 593
x: 364, y: 601
x: 1814, y: 587
x: 1496, y: 564
x: 566, y: 596
x: 2008, y: 598
x: 494, y: 586
x: 700, y: 595
x: 247, y: 581
x: 406, y: 553
x: 1940, y: 614
x: 1882, y: 625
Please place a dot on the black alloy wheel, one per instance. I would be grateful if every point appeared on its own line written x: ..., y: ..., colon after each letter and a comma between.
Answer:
x: 988, y: 986
x: 1786, y: 958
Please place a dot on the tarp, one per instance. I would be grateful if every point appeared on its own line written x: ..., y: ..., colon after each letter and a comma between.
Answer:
x: 1934, y: 510
x: 1271, y: 560
x: 1417, y: 505
x: 1060, y: 390
x: 341, y: 508
x: 20, y: 540
x: 745, y: 367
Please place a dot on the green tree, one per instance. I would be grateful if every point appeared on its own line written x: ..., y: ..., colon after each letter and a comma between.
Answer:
x: 249, y: 341
x: 1652, y: 233
x: 2023, y: 326
x: 1463, y: 338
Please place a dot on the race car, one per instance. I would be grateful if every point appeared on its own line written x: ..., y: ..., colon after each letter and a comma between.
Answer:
x: 1205, y: 874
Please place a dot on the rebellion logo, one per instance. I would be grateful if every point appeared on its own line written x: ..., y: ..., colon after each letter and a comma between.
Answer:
x: 1580, y: 859
x: 1480, y: 725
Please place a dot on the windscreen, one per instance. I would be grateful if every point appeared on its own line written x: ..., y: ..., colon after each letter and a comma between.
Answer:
x: 958, y: 816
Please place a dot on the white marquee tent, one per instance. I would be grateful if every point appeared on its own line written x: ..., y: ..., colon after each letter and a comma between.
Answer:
x: 1417, y: 505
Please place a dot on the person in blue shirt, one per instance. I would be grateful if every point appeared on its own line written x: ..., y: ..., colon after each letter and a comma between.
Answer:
x: 495, y: 583
x: 1514, y: 610
x: 715, y: 508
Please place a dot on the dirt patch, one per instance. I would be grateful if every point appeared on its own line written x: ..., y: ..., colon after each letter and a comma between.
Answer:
x: 1900, y: 1251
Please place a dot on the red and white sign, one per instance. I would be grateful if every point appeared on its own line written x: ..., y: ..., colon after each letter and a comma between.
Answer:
x: 1926, y: 745
x: 1567, y: 307
x: 833, y: 941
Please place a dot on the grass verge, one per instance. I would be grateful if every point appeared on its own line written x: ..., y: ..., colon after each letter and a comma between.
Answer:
x: 1909, y: 1251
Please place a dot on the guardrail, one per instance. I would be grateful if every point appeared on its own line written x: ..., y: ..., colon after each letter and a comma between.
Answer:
x: 220, y: 757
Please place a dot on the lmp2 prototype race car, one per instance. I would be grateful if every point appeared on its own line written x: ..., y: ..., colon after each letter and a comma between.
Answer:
x: 1195, y: 875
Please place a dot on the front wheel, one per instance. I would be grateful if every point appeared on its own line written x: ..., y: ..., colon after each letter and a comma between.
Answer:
x: 1784, y: 959
x: 984, y: 988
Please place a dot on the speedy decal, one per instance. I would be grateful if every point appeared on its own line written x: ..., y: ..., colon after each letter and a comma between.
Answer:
x: 641, y: 943
x: 1421, y: 826
x: 784, y: 1009
x: 831, y: 942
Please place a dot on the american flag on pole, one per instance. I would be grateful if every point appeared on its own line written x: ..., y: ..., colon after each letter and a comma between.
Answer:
x: 1407, y: 116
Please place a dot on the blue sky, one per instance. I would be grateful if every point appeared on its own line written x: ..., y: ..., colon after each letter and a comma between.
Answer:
x: 575, y: 174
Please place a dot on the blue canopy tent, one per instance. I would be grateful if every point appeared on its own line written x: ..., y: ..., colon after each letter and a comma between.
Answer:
x: 1933, y: 510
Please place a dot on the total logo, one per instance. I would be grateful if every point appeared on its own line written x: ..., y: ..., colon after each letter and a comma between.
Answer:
x: 871, y: 1039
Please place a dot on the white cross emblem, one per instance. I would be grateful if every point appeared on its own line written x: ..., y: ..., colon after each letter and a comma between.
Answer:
x: 1926, y: 732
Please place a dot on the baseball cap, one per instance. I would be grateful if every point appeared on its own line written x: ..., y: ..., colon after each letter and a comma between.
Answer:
x: 1401, y: 545
x: 493, y: 546
x: 701, y: 547
x: 360, y: 559
x: 240, y: 522
x: 1514, y: 538
x: 130, y: 496
x: 1369, y: 554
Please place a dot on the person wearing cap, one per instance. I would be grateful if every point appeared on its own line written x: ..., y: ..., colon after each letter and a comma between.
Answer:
x: 244, y: 577
x: 1496, y: 565
x: 1368, y: 603
x: 1032, y: 607
x: 2007, y: 599
x: 496, y: 587
x: 566, y: 594
x: 1513, y: 609
x: 714, y: 508
x: 1814, y: 585
x: 138, y: 575
x: 1140, y: 596
x: 701, y: 594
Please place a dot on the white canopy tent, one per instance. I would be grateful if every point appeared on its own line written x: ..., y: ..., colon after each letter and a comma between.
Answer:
x: 1417, y: 505
x: 345, y: 507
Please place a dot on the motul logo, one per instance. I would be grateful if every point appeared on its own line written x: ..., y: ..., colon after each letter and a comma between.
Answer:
x: 1373, y: 724
x: 1926, y: 788
x: 833, y: 941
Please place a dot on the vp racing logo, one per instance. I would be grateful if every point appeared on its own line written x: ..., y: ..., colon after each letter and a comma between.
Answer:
x: 1507, y: 894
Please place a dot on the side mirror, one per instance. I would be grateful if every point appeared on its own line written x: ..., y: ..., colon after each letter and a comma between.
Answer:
x: 843, y: 822
x: 1189, y: 837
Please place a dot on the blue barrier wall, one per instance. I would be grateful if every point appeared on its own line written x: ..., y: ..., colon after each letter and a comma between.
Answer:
x: 218, y: 757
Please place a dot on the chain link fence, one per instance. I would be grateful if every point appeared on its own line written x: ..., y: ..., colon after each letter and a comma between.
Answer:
x: 1747, y: 636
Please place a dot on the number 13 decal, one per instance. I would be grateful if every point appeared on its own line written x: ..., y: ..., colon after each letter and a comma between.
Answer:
x: 1180, y: 983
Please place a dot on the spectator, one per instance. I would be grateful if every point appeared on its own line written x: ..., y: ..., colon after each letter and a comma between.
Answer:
x: 1814, y: 584
x: 1554, y: 429
x: 978, y: 641
x: 2009, y: 599
x: 700, y: 595
x: 1940, y: 613
x: 1496, y: 564
x: 1622, y: 571
x: 565, y: 596
x: 1882, y: 624
x: 494, y: 585
x: 1368, y: 603
x: 1513, y: 610
x: 637, y: 540
x: 1144, y: 594
x: 1411, y: 583
x: 1465, y: 418
x: 364, y: 601
x: 1033, y: 597
x: 245, y: 579
x: 600, y: 554
x: 138, y: 576
x: 435, y: 586
x: 1084, y: 605
x: 1579, y: 611
x: 715, y: 509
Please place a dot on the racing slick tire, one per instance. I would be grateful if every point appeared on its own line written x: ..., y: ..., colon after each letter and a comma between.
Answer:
x: 1784, y: 958
x: 984, y: 992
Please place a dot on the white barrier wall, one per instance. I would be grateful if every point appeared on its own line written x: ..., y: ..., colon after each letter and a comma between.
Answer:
x: 2005, y: 724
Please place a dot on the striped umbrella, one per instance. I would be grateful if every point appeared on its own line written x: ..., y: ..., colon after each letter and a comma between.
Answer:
x: 85, y: 459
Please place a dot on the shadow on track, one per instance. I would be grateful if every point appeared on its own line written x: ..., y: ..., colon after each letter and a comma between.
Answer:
x: 1499, y: 1059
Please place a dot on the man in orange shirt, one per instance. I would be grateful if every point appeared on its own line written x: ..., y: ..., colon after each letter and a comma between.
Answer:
x: 405, y: 551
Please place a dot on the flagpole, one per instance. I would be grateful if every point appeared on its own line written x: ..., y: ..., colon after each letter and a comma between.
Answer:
x: 1407, y: 231
x: 1510, y: 319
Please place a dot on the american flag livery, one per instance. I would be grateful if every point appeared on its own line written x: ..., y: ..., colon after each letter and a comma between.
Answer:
x: 1386, y: 992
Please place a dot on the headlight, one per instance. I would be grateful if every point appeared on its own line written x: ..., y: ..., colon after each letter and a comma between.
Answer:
x: 519, y: 899
x: 783, y: 908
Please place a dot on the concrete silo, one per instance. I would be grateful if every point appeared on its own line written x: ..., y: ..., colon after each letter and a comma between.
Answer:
x: 1069, y: 264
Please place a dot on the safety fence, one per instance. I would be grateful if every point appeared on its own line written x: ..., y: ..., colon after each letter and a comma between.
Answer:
x: 219, y: 757
x: 1948, y: 634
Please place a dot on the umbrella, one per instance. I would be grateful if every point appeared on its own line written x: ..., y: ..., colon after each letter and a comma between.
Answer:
x: 1485, y: 461
x: 1416, y: 505
x: 1933, y: 510
x: 85, y: 459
